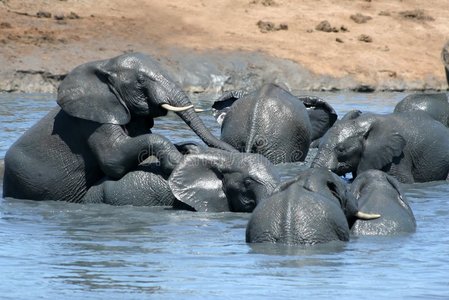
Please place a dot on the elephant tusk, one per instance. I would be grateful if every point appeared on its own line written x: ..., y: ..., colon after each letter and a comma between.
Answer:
x: 199, y: 110
x: 366, y: 216
x: 176, y: 109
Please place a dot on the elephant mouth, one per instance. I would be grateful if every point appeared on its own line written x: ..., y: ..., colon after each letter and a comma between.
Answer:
x: 342, y: 169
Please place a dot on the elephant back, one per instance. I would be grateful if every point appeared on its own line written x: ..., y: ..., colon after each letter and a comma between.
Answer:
x: 297, y: 216
x: 270, y: 121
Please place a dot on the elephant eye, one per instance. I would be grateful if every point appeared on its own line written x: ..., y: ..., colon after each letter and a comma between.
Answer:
x: 340, y: 149
x: 142, y: 78
x: 248, y: 182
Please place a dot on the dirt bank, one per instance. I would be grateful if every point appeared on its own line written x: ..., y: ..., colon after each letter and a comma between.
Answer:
x: 309, y: 45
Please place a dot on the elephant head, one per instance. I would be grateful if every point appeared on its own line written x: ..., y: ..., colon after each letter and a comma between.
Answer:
x: 314, y: 207
x: 115, y: 90
x: 357, y: 143
x: 218, y: 181
x: 377, y: 191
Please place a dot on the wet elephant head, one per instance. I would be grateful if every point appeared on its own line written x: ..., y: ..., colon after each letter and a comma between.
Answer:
x: 118, y: 89
x: 357, y: 143
x: 223, y: 181
x: 313, y: 208
x: 377, y: 191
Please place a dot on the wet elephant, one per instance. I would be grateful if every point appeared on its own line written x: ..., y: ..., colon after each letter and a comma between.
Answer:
x: 377, y: 191
x: 435, y: 104
x: 411, y: 146
x: 273, y: 122
x: 211, y: 181
x: 100, y: 129
x: 313, y: 208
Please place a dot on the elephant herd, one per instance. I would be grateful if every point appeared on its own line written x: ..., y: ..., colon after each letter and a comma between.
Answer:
x: 96, y: 146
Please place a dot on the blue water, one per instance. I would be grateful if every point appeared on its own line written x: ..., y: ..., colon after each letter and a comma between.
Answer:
x: 57, y: 250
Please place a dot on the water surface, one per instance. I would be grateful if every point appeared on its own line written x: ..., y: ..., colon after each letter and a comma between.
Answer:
x: 57, y: 250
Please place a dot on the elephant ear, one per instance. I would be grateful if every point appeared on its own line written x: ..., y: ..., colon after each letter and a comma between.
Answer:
x: 223, y: 104
x: 381, y: 146
x: 197, y: 182
x: 322, y: 116
x: 351, y: 115
x: 87, y: 93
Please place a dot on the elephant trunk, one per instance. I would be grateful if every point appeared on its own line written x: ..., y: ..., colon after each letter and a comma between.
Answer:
x: 325, y: 158
x: 190, y: 117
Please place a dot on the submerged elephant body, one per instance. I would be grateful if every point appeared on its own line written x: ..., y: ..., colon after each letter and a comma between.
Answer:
x: 435, y: 104
x: 272, y: 122
x: 210, y: 181
x: 411, y: 146
x: 313, y: 208
x: 102, y: 129
x: 259, y: 123
x: 380, y: 192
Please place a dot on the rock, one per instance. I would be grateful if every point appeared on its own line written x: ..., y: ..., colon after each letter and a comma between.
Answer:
x: 266, y: 26
x: 339, y: 40
x: 326, y: 27
x: 264, y: 2
x: 417, y: 15
x: 360, y: 19
x: 365, y: 38
x: 43, y: 14
x: 59, y: 17
x: 384, y: 13
x: 73, y: 16
x: 5, y: 25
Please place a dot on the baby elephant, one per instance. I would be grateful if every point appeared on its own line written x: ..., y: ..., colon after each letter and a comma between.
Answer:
x: 313, y: 208
x: 380, y: 192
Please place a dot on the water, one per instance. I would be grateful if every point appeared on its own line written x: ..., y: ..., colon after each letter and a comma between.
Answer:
x: 56, y: 250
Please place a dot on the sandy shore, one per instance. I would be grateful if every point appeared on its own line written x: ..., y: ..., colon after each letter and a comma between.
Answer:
x: 216, y: 44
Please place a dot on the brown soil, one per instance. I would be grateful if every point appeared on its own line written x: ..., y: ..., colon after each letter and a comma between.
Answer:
x: 406, y: 36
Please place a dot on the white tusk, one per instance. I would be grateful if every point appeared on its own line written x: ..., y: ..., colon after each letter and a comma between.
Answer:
x: 365, y: 216
x: 199, y: 110
x: 176, y: 109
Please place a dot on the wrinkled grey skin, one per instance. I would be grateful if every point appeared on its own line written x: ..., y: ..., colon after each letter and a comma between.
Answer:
x: 271, y: 122
x: 146, y: 185
x: 251, y: 122
x: 311, y: 209
x: 377, y: 191
x: 218, y: 181
x: 101, y: 129
x: 411, y: 146
x: 435, y: 104
x: 445, y: 58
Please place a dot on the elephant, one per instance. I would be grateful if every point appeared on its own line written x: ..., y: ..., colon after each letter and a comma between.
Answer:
x: 219, y: 181
x: 410, y: 146
x: 377, y: 191
x: 445, y: 58
x: 435, y: 104
x: 100, y: 128
x: 209, y: 181
x: 313, y: 208
x: 272, y: 122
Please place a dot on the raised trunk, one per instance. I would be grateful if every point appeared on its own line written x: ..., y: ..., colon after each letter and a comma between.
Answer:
x: 193, y: 120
